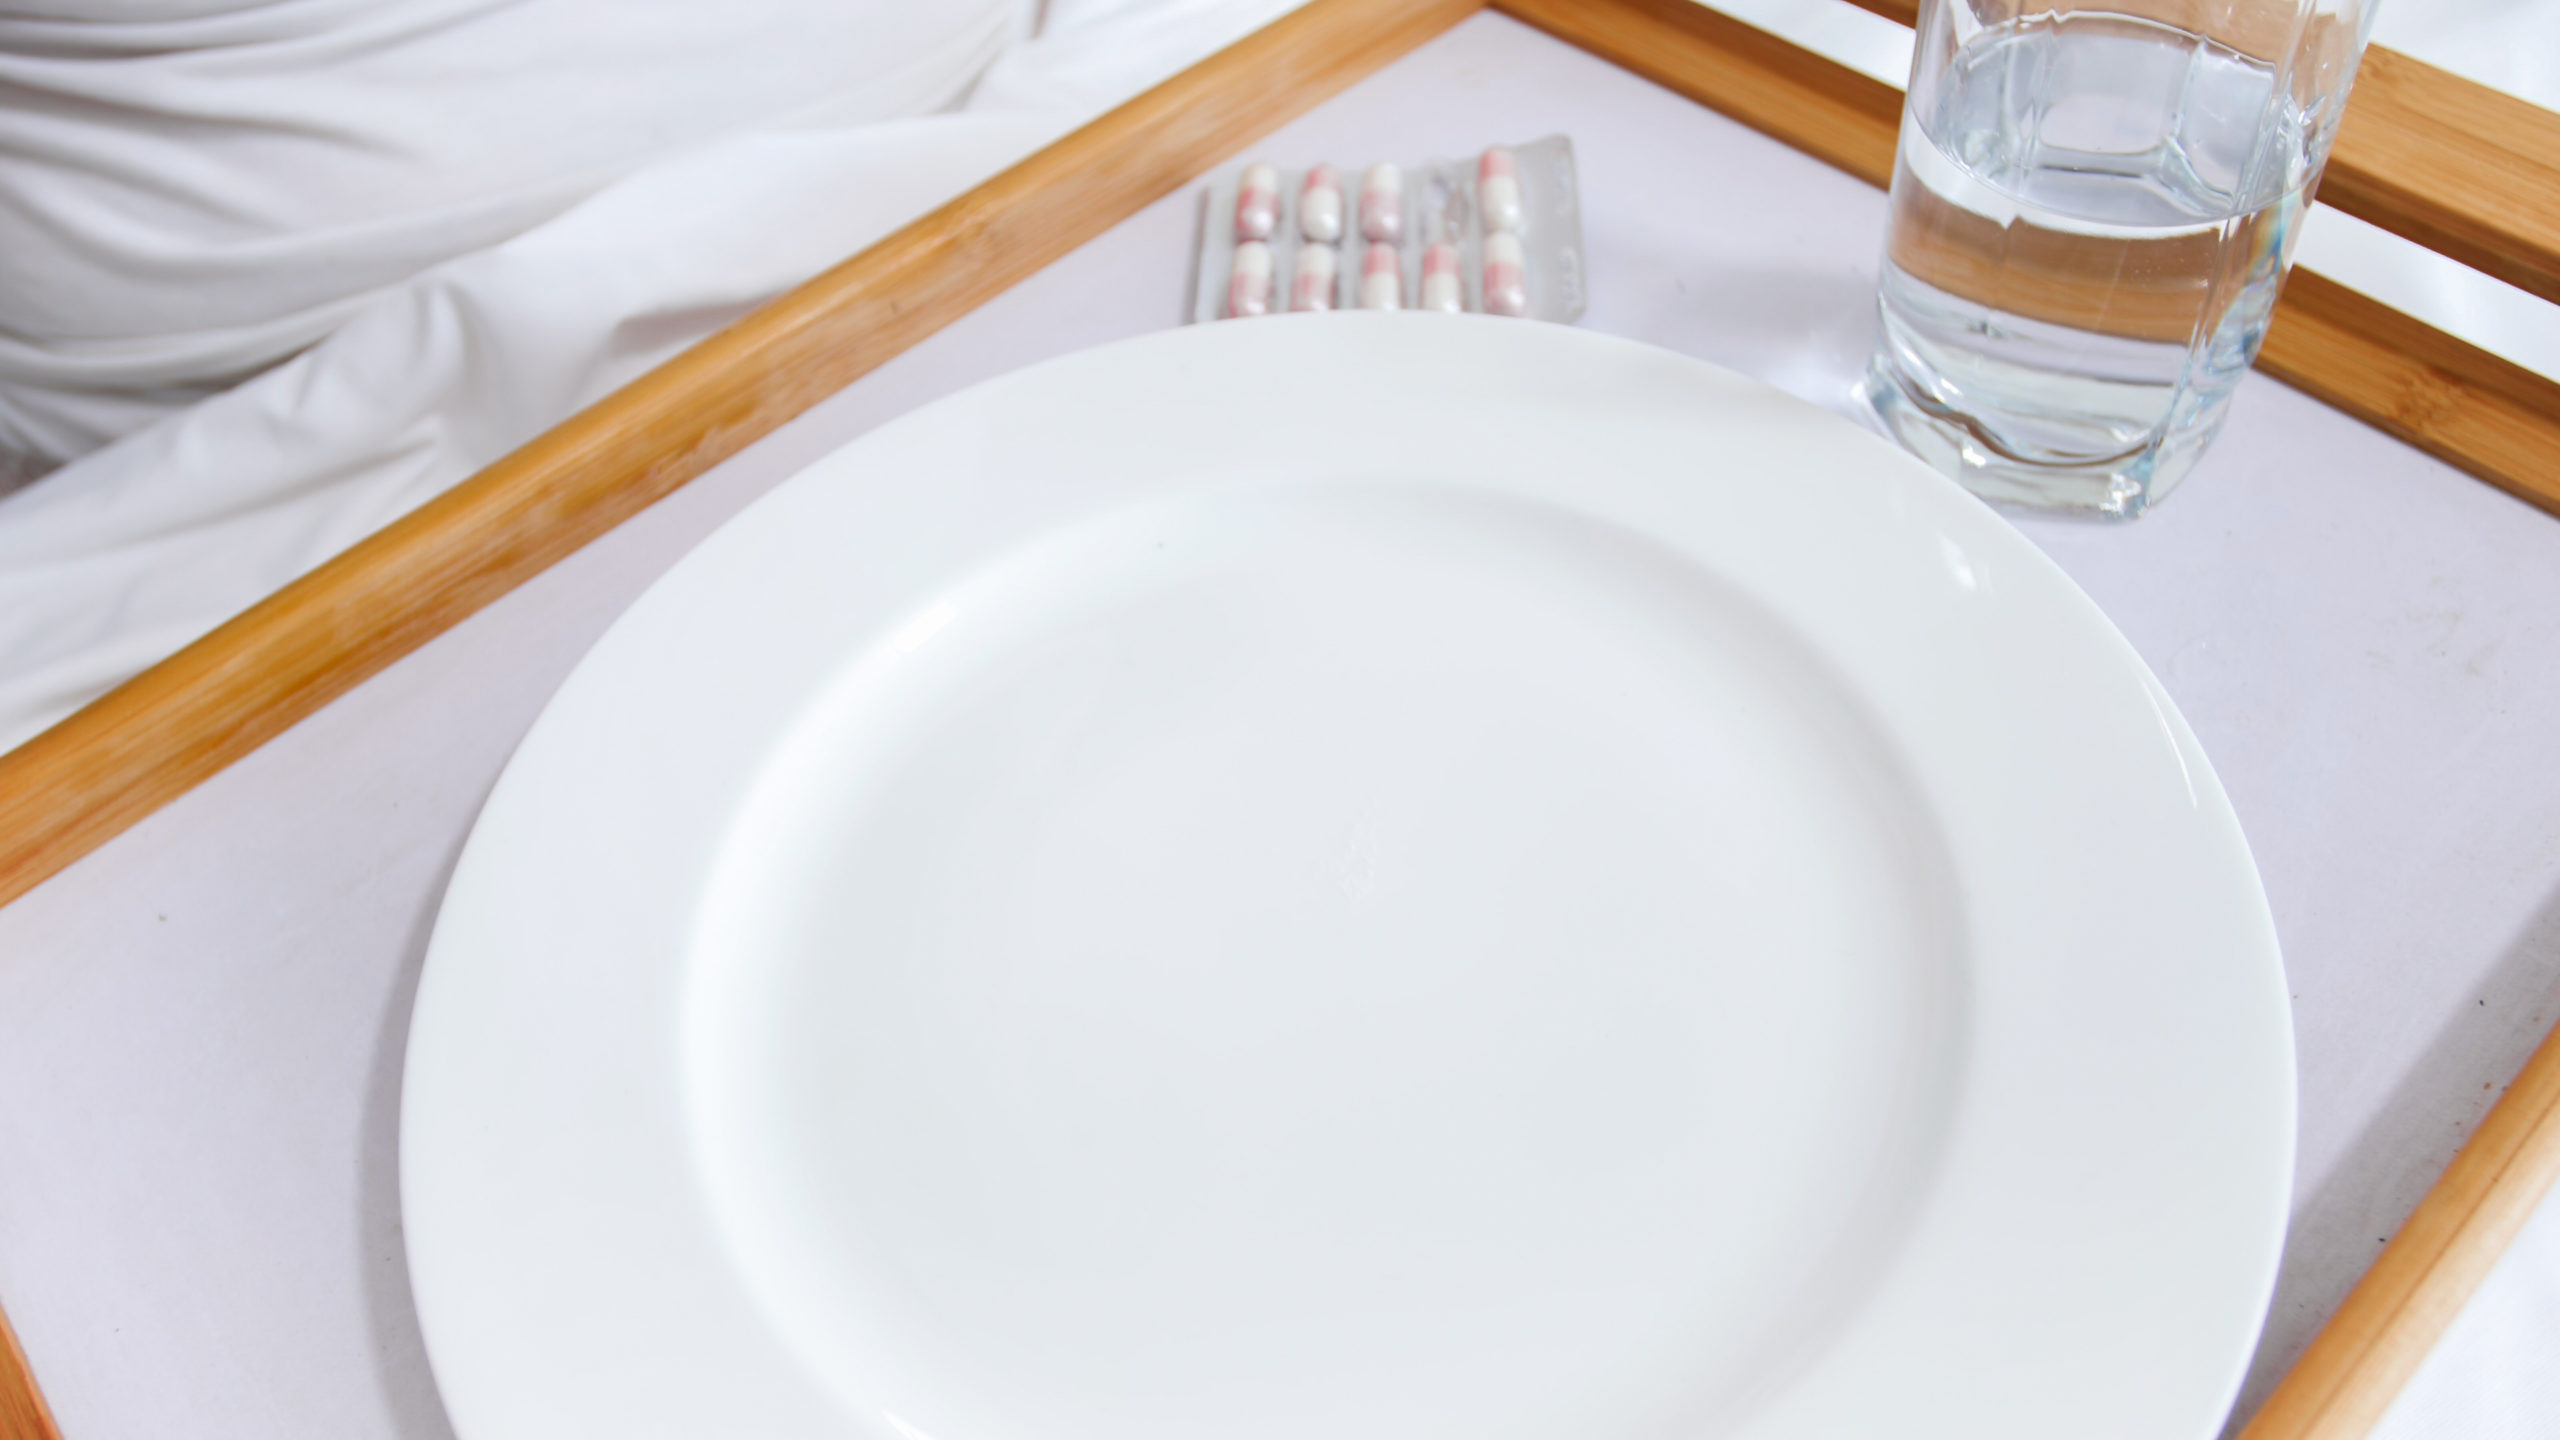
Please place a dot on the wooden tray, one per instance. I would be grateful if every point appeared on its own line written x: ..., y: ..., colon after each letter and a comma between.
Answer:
x: 2467, y: 171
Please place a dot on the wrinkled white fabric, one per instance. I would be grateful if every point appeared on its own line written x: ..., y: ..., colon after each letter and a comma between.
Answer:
x: 191, y: 190
x: 122, y: 556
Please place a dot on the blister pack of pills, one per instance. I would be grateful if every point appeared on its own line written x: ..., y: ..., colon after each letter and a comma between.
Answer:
x: 1499, y: 233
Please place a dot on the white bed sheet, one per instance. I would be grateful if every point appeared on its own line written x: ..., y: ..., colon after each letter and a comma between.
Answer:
x: 547, y: 282
x: 126, y: 554
x: 193, y: 190
x: 106, y: 983
x: 2363, y: 638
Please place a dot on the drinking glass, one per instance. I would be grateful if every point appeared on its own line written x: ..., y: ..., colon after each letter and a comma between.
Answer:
x: 2093, y: 208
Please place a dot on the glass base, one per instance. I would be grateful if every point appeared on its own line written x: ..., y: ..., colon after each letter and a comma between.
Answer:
x: 2118, y: 486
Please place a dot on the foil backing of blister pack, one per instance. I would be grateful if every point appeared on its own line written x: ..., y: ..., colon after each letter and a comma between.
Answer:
x: 1442, y: 204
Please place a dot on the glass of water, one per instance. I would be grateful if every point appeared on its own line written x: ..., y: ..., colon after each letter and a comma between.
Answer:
x: 2093, y: 209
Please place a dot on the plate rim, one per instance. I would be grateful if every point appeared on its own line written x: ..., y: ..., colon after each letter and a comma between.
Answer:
x: 439, y: 1164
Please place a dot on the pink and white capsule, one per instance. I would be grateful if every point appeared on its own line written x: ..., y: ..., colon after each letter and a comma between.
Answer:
x: 1311, y: 288
x: 1320, y: 205
x: 1498, y: 191
x: 1506, y: 276
x: 1249, y: 280
x: 1257, y: 203
x: 1441, y: 289
x: 1381, y: 279
x: 1382, y: 204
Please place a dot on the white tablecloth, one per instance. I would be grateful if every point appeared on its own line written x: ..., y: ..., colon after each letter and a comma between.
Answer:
x: 201, y: 1024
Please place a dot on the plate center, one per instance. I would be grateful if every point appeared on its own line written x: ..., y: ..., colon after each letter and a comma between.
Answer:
x: 1363, y: 960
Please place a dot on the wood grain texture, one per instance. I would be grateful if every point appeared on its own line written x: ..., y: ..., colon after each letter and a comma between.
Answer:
x: 2342, y: 1385
x: 1823, y: 108
x: 23, y: 1415
x: 2457, y: 402
x: 2467, y: 407
x: 136, y: 748
x: 147, y: 742
x: 2494, y: 419
x: 152, y: 739
x: 1901, y: 12
x: 2467, y: 171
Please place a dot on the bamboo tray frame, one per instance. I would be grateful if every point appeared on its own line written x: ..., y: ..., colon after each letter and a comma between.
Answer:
x: 2467, y: 171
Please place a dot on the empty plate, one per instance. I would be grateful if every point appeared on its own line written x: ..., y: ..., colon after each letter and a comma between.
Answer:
x: 1355, y: 875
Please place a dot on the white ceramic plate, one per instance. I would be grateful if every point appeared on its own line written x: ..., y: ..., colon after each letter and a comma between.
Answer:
x: 1353, y: 876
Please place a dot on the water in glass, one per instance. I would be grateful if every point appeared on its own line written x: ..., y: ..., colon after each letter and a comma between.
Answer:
x: 2092, y: 213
